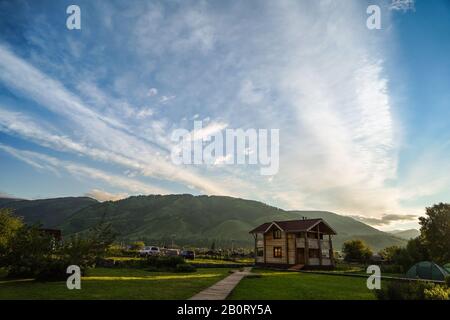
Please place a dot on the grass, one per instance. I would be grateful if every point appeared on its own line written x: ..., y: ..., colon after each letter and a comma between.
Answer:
x: 284, y: 285
x: 125, y: 258
x: 107, y: 283
x: 215, y: 261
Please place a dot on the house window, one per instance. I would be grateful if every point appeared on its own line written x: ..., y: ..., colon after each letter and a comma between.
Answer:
x: 277, y: 234
x: 277, y: 252
x: 325, y: 253
x: 260, y: 252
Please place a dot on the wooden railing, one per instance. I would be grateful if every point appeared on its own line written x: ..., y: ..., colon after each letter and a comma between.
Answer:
x: 313, y: 243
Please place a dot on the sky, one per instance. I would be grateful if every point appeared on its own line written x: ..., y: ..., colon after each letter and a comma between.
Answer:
x: 363, y: 114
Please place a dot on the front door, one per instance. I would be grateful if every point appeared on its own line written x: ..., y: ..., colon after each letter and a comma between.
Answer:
x: 300, y: 255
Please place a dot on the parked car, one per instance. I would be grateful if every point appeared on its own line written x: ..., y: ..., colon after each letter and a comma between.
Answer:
x: 171, y: 252
x: 188, y: 254
x: 150, y: 251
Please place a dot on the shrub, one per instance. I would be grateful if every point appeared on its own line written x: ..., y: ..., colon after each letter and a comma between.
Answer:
x: 29, y: 252
x: 54, y: 270
x: 33, y: 253
x: 396, y: 290
x: 447, y: 281
x: 392, y: 268
x: 164, y: 262
x: 137, y: 245
x: 437, y: 292
x: 185, y: 267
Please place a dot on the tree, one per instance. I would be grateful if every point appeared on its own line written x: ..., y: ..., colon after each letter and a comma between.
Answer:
x: 435, y: 231
x: 389, y: 253
x: 28, y: 252
x: 84, y: 251
x: 415, y: 251
x: 356, y: 250
x: 9, y: 225
x: 137, y: 245
x: 33, y: 253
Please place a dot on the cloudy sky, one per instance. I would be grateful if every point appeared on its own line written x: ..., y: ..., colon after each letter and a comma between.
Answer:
x: 363, y: 114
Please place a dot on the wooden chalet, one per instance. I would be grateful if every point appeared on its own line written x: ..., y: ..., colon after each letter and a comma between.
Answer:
x: 296, y: 244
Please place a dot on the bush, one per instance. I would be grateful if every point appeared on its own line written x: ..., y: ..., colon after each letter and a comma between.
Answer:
x: 447, y: 281
x: 164, y: 262
x: 137, y: 245
x: 185, y: 267
x: 392, y: 268
x: 437, y: 292
x: 29, y: 252
x: 396, y: 290
x: 54, y: 270
x: 32, y: 253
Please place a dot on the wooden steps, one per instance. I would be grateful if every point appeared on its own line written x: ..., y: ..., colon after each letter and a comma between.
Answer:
x: 297, y: 267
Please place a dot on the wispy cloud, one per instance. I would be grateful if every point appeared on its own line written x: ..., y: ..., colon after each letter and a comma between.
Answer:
x: 102, y: 196
x: 386, y: 219
x: 308, y: 68
x: 107, y: 134
x: 402, y: 5
x: 44, y: 162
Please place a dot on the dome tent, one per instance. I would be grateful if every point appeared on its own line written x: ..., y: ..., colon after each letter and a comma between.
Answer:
x: 447, y: 267
x: 427, y: 270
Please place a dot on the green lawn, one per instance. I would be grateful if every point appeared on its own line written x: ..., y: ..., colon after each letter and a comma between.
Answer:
x: 218, y: 261
x: 194, y: 261
x: 284, y: 285
x: 107, y: 283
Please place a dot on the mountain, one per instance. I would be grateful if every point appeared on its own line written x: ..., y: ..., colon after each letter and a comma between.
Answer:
x: 7, y: 200
x: 406, y: 234
x: 49, y: 212
x: 200, y: 220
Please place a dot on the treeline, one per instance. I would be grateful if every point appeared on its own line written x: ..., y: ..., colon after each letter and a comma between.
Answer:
x: 28, y: 251
x: 432, y: 244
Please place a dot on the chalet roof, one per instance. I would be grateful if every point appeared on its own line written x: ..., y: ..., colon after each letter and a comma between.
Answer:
x: 294, y: 226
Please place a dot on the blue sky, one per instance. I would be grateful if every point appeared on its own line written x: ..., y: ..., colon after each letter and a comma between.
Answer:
x: 363, y: 114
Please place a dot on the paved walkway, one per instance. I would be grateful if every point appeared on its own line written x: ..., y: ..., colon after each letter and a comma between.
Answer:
x: 223, y: 288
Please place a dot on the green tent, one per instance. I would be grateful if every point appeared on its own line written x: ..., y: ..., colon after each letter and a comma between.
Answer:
x: 427, y: 270
x: 447, y: 267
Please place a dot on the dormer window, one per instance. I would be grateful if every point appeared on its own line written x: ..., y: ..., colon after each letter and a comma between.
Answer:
x: 277, y: 234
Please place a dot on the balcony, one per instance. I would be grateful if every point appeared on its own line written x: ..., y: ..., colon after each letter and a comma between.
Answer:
x: 313, y: 243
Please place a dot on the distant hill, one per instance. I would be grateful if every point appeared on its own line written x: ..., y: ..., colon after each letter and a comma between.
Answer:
x: 8, y: 200
x: 406, y: 234
x: 200, y: 220
x: 49, y: 212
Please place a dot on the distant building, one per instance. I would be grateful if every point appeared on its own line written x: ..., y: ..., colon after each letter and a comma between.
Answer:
x: 297, y: 244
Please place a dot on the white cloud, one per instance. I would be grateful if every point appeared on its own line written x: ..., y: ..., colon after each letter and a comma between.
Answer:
x: 402, y: 5
x: 46, y: 162
x: 145, y: 112
x: 152, y: 92
x: 207, y: 131
x: 112, y: 139
x: 165, y: 99
x: 249, y: 94
x: 102, y: 195
x: 306, y: 67
x: 222, y: 160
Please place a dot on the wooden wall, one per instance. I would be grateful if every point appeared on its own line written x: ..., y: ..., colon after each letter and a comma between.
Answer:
x: 270, y: 243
